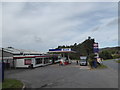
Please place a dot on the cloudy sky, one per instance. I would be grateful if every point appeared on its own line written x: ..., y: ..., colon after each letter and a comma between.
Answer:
x: 43, y: 25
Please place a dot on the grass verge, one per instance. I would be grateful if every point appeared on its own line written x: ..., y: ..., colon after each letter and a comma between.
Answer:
x: 107, y: 59
x: 12, y: 83
x: 101, y: 66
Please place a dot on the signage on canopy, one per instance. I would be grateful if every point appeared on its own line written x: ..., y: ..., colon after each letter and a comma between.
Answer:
x: 54, y: 49
x: 66, y: 49
x: 63, y: 49
x: 83, y: 57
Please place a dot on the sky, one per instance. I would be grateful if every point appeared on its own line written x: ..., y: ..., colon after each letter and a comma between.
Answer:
x: 43, y: 25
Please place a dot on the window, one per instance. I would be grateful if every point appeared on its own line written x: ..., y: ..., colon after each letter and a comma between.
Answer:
x: 46, y: 60
x: 38, y: 60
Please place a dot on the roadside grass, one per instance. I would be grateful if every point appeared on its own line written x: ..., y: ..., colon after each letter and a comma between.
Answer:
x: 99, y: 67
x: 107, y: 59
x: 12, y: 83
x: 118, y: 61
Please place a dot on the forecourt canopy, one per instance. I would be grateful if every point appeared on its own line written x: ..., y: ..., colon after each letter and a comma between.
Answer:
x: 63, y: 50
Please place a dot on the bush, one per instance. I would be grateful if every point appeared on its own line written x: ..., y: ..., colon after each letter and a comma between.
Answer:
x: 91, y: 58
x: 116, y: 56
x: 105, y: 55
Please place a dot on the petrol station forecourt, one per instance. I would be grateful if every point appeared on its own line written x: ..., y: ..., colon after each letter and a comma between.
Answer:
x: 38, y: 70
x: 66, y: 76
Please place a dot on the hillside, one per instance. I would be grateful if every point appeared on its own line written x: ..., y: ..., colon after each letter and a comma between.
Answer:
x: 112, y: 50
x: 86, y: 48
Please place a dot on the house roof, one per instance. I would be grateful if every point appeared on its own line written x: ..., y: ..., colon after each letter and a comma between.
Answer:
x: 20, y: 51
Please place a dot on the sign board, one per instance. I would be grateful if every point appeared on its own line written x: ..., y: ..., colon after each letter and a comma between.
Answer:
x: 95, y: 48
x: 54, y: 49
x: 27, y: 61
x: 66, y: 49
x: 95, y: 44
x: 63, y: 50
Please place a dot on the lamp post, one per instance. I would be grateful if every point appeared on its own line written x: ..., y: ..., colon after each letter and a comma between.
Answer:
x: 2, y: 67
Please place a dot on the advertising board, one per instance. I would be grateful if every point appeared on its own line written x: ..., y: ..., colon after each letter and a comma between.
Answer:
x: 66, y: 49
x: 28, y: 61
x: 95, y: 48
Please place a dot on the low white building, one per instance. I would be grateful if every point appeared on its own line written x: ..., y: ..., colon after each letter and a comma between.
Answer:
x: 7, y: 55
x: 20, y: 58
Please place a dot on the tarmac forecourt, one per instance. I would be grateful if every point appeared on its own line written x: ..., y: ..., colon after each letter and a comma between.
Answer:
x: 66, y: 76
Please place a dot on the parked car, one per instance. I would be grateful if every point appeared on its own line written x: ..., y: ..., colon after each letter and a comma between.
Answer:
x: 83, y: 61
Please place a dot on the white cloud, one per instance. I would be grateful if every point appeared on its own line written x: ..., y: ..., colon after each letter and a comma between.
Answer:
x: 42, y: 26
x: 60, y: 0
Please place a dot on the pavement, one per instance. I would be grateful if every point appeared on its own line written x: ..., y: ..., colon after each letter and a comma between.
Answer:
x: 68, y: 76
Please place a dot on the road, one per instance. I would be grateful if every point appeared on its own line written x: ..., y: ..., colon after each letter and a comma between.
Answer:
x: 111, y: 64
x: 69, y: 76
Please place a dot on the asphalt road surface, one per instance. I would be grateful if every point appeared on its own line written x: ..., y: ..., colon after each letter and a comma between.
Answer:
x: 111, y: 64
x: 69, y: 76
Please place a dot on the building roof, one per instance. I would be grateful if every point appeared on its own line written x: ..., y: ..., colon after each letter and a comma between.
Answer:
x: 20, y: 51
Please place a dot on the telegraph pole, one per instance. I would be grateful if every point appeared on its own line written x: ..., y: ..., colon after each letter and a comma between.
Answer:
x: 2, y: 67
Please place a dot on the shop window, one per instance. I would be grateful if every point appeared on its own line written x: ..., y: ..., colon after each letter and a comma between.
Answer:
x: 38, y: 60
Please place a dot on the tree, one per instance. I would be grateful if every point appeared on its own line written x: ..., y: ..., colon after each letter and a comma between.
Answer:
x: 75, y: 44
x: 91, y: 58
x: 105, y: 55
x: 85, y: 48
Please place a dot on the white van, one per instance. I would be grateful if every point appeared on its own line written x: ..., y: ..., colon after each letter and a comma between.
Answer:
x: 83, y: 60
